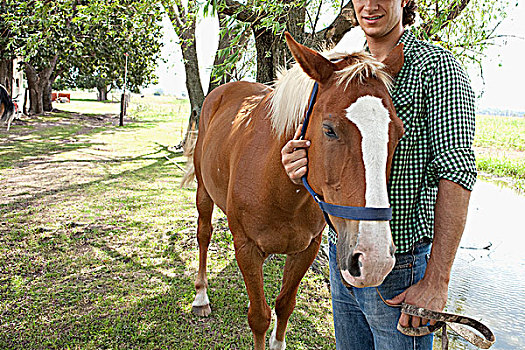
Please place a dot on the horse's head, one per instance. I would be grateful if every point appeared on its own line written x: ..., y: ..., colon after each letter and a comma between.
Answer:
x: 353, y: 131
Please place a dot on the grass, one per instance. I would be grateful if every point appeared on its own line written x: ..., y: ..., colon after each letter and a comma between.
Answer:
x: 500, y: 146
x: 97, y: 241
x: 500, y: 132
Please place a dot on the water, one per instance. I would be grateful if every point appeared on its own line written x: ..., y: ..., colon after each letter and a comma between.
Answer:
x: 489, y: 285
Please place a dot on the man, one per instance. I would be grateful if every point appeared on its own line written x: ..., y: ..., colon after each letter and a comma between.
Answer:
x: 432, y: 174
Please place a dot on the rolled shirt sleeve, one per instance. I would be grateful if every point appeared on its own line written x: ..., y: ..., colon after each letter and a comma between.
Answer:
x: 451, y: 123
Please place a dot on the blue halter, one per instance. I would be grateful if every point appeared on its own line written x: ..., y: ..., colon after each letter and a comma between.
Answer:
x: 341, y: 211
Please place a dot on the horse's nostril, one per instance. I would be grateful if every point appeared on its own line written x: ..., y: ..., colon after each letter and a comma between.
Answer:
x: 355, y: 265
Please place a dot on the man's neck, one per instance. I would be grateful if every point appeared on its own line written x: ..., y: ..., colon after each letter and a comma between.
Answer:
x: 381, y: 47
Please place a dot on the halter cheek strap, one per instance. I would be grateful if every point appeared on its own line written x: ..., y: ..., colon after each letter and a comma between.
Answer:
x: 341, y: 211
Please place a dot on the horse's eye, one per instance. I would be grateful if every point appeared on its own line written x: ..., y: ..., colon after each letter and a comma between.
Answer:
x: 329, y: 131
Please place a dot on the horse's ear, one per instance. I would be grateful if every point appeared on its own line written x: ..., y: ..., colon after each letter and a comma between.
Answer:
x: 394, y: 61
x: 312, y: 62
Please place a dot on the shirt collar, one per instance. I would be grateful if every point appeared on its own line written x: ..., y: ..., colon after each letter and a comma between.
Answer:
x: 408, y: 39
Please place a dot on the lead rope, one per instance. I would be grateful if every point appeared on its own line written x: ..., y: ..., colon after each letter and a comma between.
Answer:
x: 454, y: 322
x: 444, y: 336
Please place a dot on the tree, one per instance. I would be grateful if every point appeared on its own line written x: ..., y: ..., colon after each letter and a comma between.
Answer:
x: 83, y: 38
x: 184, y: 20
x: 238, y: 23
x: 38, y: 30
x: 269, y: 19
x: 465, y: 27
x: 108, y: 32
x: 6, y: 55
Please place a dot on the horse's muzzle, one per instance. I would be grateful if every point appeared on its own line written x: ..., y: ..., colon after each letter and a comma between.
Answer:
x: 366, y: 257
x: 364, y: 273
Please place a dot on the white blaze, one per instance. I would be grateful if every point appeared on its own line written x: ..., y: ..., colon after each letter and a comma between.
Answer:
x: 372, y: 119
x: 374, y: 237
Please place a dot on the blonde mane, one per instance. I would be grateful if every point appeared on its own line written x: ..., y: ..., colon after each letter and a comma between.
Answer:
x: 289, y: 99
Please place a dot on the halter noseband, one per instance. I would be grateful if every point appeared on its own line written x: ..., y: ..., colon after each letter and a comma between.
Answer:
x: 341, y: 211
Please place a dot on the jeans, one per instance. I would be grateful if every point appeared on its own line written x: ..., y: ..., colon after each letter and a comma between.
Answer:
x: 362, y: 321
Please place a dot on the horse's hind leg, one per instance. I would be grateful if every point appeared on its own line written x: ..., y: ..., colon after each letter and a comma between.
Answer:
x: 294, y: 269
x: 201, y: 304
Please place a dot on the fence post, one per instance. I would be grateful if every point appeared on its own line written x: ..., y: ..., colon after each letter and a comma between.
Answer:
x: 123, y: 97
x: 123, y: 105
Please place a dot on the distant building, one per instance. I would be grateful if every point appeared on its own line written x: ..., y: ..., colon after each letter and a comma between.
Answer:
x: 19, y: 84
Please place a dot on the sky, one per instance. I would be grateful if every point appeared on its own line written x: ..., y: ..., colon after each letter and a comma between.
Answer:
x: 503, y: 66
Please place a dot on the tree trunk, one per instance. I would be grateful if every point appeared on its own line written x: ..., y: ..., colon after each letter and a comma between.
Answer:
x: 102, y: 93
x: 35, y: 96
x: 26, y: 99
x: 47, y: 104
x: 272, y: 52
x: 184, y: 23
x: 295, y: 20
x: 37, y: 83
x: 47, y: 99
x: 266, y: 71
x: 6, y: 74
x: 191, y: 65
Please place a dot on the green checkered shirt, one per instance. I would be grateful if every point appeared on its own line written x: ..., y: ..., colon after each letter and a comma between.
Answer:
x: 433, y: 97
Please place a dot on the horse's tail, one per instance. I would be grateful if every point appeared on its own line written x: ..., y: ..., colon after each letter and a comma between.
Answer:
x: 188, y: 150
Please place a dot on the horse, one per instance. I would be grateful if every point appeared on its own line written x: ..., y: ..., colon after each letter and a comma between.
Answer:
x: 7, y: 107
x: 237, y: 162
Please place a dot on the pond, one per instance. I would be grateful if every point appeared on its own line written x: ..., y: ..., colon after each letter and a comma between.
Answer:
x: 489, y: 284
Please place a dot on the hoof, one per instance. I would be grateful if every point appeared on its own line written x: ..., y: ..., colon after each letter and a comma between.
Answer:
x: 201, y: 311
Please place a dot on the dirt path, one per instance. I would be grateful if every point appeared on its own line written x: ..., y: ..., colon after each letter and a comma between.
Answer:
x: 48, y: 153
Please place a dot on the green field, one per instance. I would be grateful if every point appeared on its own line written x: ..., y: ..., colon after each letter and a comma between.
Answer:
x: 97, y: 240
x: 500, y: 132
x: 500, y: 149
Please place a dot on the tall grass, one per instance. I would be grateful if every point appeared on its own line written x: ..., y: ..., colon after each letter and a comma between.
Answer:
x: 500, y: 143
x: 500, y: 132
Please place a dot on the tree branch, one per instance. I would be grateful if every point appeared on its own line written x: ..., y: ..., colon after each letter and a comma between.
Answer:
x: 453, y: 12
x: 317, y: 15
x: 341, y: 25
x: 173, y: 15
x: 242, y: 13
x: 332, y: 34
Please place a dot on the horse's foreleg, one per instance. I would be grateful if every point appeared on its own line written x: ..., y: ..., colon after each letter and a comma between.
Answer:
x: 294, y: 269
x: 201, y: 304
x: 250, y: 260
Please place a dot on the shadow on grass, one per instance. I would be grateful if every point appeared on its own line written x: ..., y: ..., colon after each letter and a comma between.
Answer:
x: 34, y: 146
x: 133, y: 175
x: 110, y: 307
x: 57, y: 133
x: 45, y: 138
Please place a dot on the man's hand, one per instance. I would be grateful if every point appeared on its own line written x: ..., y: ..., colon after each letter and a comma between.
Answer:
x: 432, y: 296
x: 294, y: 158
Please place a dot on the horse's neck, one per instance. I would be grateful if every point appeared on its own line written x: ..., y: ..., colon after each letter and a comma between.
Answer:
x: 270, y: 173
